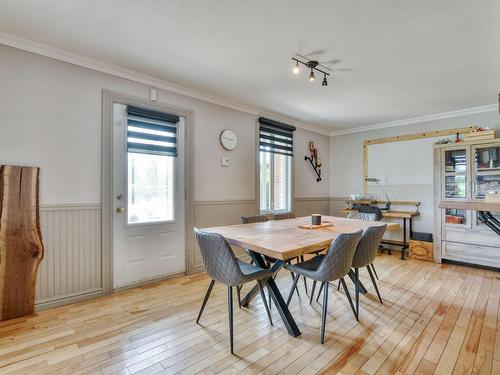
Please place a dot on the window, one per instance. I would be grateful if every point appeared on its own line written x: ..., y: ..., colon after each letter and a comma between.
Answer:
x: 151, y: 154
x: 275, y: 166
x: 150, y: 188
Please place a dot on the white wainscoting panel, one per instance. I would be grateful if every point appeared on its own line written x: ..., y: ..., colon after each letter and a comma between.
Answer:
x: 71, y: 266
x: 337, y: 204
x: 217, y: 213
x: 71, y: 269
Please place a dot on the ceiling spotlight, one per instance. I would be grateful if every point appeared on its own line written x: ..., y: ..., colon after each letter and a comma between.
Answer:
x: 313, y: 66
x: 311, y: 76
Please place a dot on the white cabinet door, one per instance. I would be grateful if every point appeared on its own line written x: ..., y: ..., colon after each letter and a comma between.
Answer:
x: 486, y: 167
x: 456, y: 172
x: 148, y: 209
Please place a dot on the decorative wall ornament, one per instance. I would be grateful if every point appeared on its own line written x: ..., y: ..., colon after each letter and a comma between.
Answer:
x: 314, y: 160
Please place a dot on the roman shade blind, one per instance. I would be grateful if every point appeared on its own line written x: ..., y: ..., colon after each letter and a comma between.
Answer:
x: 275, y: 137
x: 151, y: 132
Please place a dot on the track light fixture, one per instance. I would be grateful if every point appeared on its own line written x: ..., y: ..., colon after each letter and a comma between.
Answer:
x: 311, y: 76
x: 312, y: 65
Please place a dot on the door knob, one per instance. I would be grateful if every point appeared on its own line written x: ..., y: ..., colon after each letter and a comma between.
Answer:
x: 120, y: 210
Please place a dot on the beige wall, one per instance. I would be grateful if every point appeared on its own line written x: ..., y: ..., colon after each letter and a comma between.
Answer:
x: 51, y: 117
x: 346, y: 164
x: 346, y: 155
x: 305, y: 178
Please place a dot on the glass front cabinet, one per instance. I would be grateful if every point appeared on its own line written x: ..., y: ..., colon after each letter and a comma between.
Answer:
x: 486, y: 169
x: 456, y: 172
x: 465, y: 172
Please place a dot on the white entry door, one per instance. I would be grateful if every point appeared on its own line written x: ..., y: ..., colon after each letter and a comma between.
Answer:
x: 148, y: 190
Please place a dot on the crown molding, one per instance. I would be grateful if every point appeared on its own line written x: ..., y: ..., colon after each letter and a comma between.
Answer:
x: 28, y: 45
x: 145, y: 79
x: 415, y: 120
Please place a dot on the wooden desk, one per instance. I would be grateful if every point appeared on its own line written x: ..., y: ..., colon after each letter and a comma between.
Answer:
x: 391, y: 214
x: 471, y: 205
x: 404, y: 215
x: 283, y: 240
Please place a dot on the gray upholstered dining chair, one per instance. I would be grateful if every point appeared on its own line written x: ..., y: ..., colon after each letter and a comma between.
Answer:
x: 368, y: 216
x: 287, y: 216
x: 333, y: 265
x: 222, y: 265
x: 257, y: 219
x: 364, y: 256
x: 254, y: 219
x: 268, y: 260
x: 373, y: 213
x: 284, y: 216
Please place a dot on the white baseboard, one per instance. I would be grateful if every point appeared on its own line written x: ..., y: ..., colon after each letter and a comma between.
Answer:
x: 50, y: 303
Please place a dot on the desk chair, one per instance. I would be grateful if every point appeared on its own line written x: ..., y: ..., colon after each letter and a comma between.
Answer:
x: 371, y: 210
x: 362, y: 216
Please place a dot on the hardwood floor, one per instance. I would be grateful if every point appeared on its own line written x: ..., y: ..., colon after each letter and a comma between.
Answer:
x: 438, y: 319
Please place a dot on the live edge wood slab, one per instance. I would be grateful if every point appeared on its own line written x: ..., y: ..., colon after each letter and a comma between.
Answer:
x: 21, y: 248
x: 282, y: 239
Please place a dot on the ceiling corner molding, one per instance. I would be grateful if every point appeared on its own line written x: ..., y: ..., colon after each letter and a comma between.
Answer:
x: 28, y: 45
x: 415, y: 120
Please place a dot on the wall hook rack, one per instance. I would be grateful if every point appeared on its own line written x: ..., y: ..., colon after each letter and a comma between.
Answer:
x: 314, y: 160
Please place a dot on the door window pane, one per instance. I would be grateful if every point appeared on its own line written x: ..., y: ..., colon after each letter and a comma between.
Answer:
x: 150, y: 195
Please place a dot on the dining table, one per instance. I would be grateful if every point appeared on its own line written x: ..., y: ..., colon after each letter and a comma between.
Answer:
x: 285, y: 240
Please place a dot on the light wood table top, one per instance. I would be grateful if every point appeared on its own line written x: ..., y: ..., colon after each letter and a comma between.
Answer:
x: 391, y: 214
x: 282, y: 239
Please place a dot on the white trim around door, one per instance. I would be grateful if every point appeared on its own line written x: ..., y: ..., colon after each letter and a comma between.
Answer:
x: 108, y: 99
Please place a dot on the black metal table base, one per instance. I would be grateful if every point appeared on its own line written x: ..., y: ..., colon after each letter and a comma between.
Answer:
x: 274, y: 292
x: 276, y: 296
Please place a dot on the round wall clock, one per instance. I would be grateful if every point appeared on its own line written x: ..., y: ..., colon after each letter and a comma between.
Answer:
x: 228, y: 139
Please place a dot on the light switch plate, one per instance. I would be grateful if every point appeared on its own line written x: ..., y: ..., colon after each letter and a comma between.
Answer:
x: 225, y: 161
x: 152, y: 95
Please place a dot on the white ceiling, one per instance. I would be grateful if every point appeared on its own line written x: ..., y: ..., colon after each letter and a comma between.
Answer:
x: 403, y: 58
